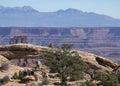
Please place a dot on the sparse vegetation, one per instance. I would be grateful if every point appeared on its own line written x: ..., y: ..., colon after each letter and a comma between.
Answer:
x: 107, y: 79
x: 116, y: 71
x: 118, y: 76
x: 15, y: 76
x: 66, y: 63
x: 51, y: 45
x: 66, y: 46
x: 89, y: 83
x: 4, y: 80
x: 22, y: 74
x: 4, y: 66
x: 45, y: 81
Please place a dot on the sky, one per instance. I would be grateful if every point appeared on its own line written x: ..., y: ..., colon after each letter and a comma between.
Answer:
x: 106, y: 7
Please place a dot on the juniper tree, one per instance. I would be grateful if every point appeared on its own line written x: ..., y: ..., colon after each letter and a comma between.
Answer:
x: 66, y: 63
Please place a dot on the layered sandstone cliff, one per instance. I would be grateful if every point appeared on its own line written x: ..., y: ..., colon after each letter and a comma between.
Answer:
x: 103, y: 41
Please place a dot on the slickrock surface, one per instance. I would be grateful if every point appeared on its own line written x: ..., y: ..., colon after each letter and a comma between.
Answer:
x: 17, y: 51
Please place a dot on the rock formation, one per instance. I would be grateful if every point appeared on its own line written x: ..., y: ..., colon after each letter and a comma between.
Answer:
x: 98, y: 63
x: 17, y: 51
x: 3, y: 59
x: 11, y: 68
x: 103, y: 41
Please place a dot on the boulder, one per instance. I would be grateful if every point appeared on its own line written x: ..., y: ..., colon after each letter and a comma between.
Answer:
x: 3, y: 59
x: 29, y: 78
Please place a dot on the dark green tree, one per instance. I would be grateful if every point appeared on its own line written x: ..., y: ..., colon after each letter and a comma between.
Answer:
x: 66, y: 63
x: 66, y: 46
x: 116, y: 72
x: 51, y: 45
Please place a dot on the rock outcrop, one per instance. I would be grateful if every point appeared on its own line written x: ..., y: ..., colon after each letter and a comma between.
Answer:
x: 17, y: 51
x: 11, y: 69
x: 3, y: 59
x: 98, y: 63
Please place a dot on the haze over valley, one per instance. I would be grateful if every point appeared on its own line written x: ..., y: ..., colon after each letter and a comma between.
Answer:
x: 104, y: 41
x: 87, y: 31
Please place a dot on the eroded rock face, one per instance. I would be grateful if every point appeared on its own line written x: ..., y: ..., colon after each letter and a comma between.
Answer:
x: 98, y: 63
x: 11, y: 68
x: 4, y: 63
x: 3, y: 59
x: 17, y: 51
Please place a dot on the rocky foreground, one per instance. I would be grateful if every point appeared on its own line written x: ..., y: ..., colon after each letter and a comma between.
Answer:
x: 29, y: 51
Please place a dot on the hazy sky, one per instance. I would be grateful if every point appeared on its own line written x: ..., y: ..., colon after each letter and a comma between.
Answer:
x: 107, y: 7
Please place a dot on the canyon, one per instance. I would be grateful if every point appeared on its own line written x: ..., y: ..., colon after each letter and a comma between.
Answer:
x: 103, y: 41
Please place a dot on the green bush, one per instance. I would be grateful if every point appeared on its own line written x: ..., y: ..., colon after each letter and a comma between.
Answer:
x: 107, y: 79
x: 45, y: 81
x: 89, y: 83
x: 4, y: 66
x: 15, y: 76
x: 51, y: 45
x: 116, y: 72
x: 4, y: 80
x: 66, y: 46
x: 66, y: 63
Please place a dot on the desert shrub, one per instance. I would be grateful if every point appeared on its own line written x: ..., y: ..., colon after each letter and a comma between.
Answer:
x: 116, y: 72
x: 15, y: 76
x: 118, y: 76
x: 107, y: 79
x: 66, y: 63
x: 88, y: 83
x: 4, y: 66
x: 4, y: 80
x: 90, y: 72
x: 45, y: 81
x: 66, y: 46
x: 51, y: 45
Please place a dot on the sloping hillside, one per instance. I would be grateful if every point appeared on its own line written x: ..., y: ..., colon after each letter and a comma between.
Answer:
x: 29, y: 51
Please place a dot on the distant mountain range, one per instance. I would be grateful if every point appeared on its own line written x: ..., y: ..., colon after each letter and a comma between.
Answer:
x: 27, y: 16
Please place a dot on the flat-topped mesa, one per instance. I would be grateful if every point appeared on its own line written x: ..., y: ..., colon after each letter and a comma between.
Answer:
x: 17, y: 51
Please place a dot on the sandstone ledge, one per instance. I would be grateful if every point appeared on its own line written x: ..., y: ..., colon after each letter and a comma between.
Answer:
x: 17, y: 51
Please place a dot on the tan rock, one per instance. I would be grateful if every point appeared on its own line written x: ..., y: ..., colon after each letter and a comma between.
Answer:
x: 29, y: 78
x: 3, y: 59
x: 98, y: 63
x: 11, y: 69
x: 16, y: 51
